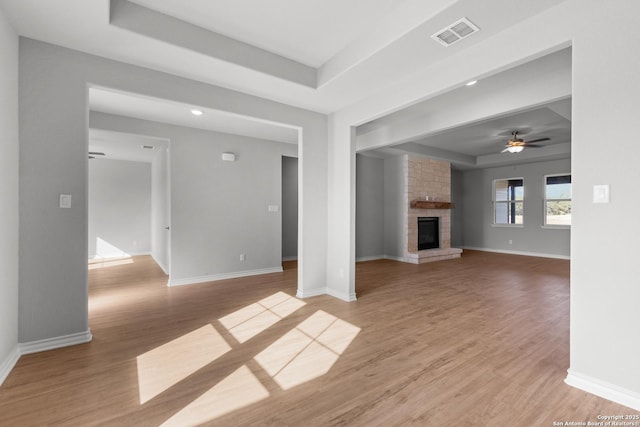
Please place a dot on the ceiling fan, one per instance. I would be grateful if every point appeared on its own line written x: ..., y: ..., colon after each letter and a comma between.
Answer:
x: 516, y: 145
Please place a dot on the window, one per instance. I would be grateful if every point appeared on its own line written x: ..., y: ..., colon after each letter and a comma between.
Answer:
x: 508, y: 201
x: 557, y: 200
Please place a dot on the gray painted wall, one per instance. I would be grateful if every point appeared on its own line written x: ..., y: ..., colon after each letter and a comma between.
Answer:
x: 457, y: 227
x: 289, y: 207
x: 219, y: 209
x: 395, y: 211
x: 119, y: 208
x: 369, y: 207
x: 160, y: 209
x: 53, y: 160
x: 477, y: 212
x: 9, y: 223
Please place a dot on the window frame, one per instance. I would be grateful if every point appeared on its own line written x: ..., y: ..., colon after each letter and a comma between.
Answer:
x: 495, y: 203
x: 545, y: 200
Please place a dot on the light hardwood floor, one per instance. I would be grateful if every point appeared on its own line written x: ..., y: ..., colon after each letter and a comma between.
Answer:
x: 479, y: 341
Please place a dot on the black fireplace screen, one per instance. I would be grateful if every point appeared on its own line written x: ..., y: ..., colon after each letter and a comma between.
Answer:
x: 428, y: 233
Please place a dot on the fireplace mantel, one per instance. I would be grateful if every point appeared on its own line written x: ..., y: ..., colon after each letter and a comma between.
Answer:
x: 428, y: 204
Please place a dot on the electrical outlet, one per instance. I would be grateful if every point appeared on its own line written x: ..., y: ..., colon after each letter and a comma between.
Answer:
x: 243, y: 257
x: 511, y: 242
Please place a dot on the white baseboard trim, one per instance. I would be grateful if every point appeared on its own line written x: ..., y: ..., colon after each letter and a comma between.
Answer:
x: 326, y: 291
x: 342, y: 295
x: 9, y: 363
x: 289, y: 258
x: 603, y: 389
x: 310, y: 293
x: 56, y: 342
x: 370, y: 258
x: 503, y: 251
x: 223, y: 276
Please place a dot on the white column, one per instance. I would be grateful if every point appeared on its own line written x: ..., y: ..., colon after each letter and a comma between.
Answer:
x: 341, y: 210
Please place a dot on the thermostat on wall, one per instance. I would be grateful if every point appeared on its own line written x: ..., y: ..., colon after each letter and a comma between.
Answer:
x: 65, y: 201
x: 229, y: 157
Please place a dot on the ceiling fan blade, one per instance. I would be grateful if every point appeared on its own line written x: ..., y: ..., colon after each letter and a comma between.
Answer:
x: 527, y: 145
x: 537, y: 140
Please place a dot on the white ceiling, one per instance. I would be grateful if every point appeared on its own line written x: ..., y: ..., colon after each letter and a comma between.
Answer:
x: 310, y: 31
x: 323, y: 55
x: 490, y: 137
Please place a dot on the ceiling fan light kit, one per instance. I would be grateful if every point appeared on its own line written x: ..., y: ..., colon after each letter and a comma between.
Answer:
x: 516, y: 145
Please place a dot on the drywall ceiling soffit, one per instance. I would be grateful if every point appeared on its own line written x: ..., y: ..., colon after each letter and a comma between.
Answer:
x: 125, y: 146
x: 175, y: 113
x: 467, y: 124
x: 537, y: 82
x: 351, y: 49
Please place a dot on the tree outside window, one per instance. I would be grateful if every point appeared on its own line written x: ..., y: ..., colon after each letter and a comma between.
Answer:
x: 557, y: 203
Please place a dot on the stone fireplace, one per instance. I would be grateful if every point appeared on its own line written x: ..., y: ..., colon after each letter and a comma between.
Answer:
x: 428, y: 195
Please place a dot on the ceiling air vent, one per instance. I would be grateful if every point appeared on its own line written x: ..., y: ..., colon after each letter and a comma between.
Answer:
x: 455, y: 32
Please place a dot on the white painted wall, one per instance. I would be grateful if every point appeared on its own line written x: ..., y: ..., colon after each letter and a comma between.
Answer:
x: 53, y: 160
x: 219, y: 209
x: 289, y: 207
x: 9, y: 190
x: 369, y: 207
x: 605, y: 319
x: 119, y: 208
x: 160, y: 209
x: 477, y: 211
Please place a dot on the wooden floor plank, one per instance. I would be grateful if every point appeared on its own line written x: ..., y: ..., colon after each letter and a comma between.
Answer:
x: 481, y: 340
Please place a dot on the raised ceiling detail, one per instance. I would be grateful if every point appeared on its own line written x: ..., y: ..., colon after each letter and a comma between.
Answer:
x: 321, y: 55
x: 147, y: 22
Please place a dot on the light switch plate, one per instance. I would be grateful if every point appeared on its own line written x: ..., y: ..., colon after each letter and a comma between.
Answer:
x: 65, y: 201
x: 273, y: 208
x: 601, y: 193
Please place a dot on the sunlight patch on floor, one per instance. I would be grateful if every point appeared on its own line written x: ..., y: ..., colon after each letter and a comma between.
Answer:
x: 307, y: 351
x: 255, y: 318
x: 108, y: 262
x: 236, y: 391
x: 105, y: 249
x: 165, y: 366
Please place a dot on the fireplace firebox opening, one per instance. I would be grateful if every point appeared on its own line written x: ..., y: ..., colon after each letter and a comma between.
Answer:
x: 428, y: 232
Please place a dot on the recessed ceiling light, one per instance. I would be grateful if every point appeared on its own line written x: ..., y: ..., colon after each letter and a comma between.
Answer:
x: 471, y: 83
x: 196, y: 112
